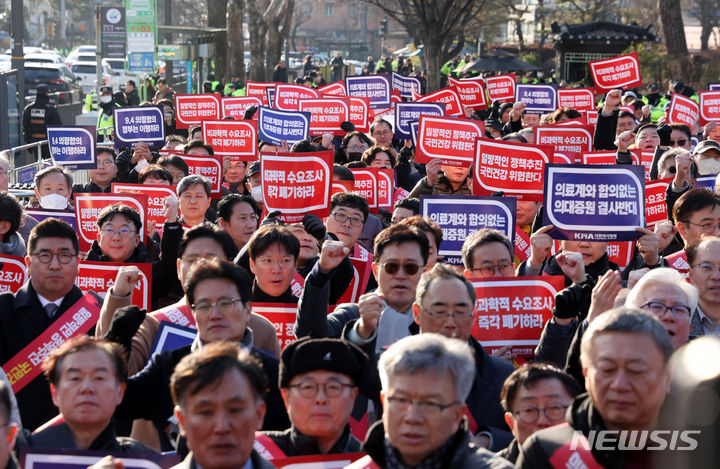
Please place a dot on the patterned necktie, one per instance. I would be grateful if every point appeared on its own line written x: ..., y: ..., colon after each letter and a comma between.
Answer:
x: 51, y: 309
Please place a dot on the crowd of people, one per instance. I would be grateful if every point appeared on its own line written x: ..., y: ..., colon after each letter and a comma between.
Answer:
x: 397, y: 374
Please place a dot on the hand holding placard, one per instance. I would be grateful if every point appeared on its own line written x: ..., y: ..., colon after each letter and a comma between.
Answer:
x: 432, y: 169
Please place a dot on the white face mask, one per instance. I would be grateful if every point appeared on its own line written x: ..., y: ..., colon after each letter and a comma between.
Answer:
x: 53, y: 202
x: 708, y: 166
x: 257, y: 194
x: 105, y: 99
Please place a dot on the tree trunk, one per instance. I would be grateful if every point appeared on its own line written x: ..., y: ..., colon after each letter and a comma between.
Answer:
x: 277, y: 34
x: 217, y: 18
x: 236, y: 44
x: 707, y: 21
x: 671, y: 17
x: 518, y: 30
x: 433, y: 61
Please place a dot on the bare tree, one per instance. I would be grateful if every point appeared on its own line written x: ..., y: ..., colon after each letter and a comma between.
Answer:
x: 235, y: 38
x: 217, y: 13
x: 674, y: 32
x: 266, y: 25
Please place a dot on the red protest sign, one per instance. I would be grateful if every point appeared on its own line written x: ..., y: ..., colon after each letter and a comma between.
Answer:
x: 362, y: 260
x: 617, y: 72
x: 513, y: 311
x: 89, y: 206
x: 471, y: 92
x: 326, y: 114
x: 341, y: 186
x: 100, y: 276
x: 568, y: 157
x: 655, y: 205
x: 447, y: 96
x: 288, y: 97
x: 501, y: 87
x: 385, y: 181
x: 156, y: 195
x: 359, y: 110
x: 580, y: 99
x: 317, y: 461
x: 366, y: 184
x: 191, y: 109
x: 336, y: 88
x: 683, y: 110
x: 232, y: 138
x: 450, y: 139
x: 235, y: 106
x: 574, y: 139
x: 297, y: 183
x: 620, y: 252
x: 709, y: 107
x: 644, y: 158
x: 209, y: 166
x: 13, y: 273
x: 522, y: 244
x: 599, y: 157
x: 283, y: 318
x: 591, y: 117
x: 258, y: 90
x: 514, y: 168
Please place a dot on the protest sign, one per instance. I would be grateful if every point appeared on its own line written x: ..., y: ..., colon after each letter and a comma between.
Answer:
x: 366, y: 184
x: 359, y: 110
x: 709, y: 107
x: 100, y: 276
x: 513, y: 311
x: 471, y: 92
x: 501, y: 87
x: 209, y: 166
x: 414, y: 133
x: 237, y: 138
x: 13, y: 273
x: 361, y: 260
x: 235, y: 106
x: 408, y: 112
x: 682, y: 110
x: 72, y: 146
x: 374, y: 87
x: 274, y: 126
x: 192, y: 109
x: 283, y: 318
x: 447, y: 96
x: 537, y: 98
x: 460, y: 216
x: 326, y: 114
x: 591, y: 117
x: 89, y: 206
x: 336, y: 88
x: 258, y: 90
x: 317, y: 461
x: 26, y: 174
x: 297, y: 184
x: 565, y: 139
x: 514, y: 168
x: 287, y: 97
x: 156, y: 195
x: 68, y: 216
x: 599, y: 157
x: 523, y: 249
x: 714, y: 86
x: 171, y: 336
x: 598, y: 203
x: 451, y: 140
x: 385, y: 182
x: 622, y: 71
x: 405, y: 85
x: 81, y: 459
x: 580, y: 99
x: 567, y: 157
x: 706, y: 182
x: 620, y: 252
x: 138, y: 124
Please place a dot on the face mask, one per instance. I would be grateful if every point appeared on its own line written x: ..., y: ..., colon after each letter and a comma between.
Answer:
x: 256, y: 192
x: 708, y: 166
x: 105, y: 99
x: 53, y: 202
x: 354, y: 155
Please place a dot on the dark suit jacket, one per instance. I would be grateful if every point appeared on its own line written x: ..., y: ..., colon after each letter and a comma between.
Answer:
x: 22, y: 319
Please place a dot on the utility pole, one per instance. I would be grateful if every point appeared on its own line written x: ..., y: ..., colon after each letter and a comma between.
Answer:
x: 63, y: 26
x: 98, y: 51
x: 18, y: 57
x: 168, y: 40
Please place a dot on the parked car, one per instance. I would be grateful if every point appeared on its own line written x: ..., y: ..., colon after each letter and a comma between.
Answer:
x: 42, y: 57
x: 85, y: 50
x: 59, y: 78
x: 122, y: 75
x: 86, y: 72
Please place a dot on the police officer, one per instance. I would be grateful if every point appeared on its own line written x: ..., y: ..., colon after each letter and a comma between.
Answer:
x: 37, y: 116
x: 105, y: 109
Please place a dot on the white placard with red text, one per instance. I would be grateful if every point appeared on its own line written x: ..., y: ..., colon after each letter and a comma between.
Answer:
x: 237, y: 138
x: 100, y: 276
x: 89, y: 206
x: 617, y: 72
x: 501, y: 87
x: 192, y: 109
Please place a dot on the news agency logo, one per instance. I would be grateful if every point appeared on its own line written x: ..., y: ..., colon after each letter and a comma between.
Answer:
x: 636, y: 440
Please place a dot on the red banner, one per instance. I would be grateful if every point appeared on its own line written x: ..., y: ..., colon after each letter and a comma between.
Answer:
x: 399, y: 194
x: 385, y: 183
x: 522, y: 244
x: 599, y: 157
x: 27, y: 364
x: 235, y: 106
x: 683, y: 110
x: 209, y: 166
x: 100, y: 276
x: 359, y: 110
x: 569, y: 123
x: 450, y: 139
x: 336, y: 88
x: 621, y: 252
x: 362, y: 260
x: 326, y: 114
x: 514, y: 168
x: 580, y: 99
x: 13, y: 273
x: 297, y: 184
x: 89, y: 206
x: 471, y: 92
x: 709, y: 107
x: 232, y: 138
x: 513, y: 311
x: 568, y: 157
x: 341, y: 186
x: 622, y: 71
x: 448, y: 96
x: 258, y: 90
x: 318, y: 461
x: 156, y: 195
x: 573, y: 139
x: 363, y: 463
x: 366, y: 184
x: 282, y: 316
x: 501, y: 87
x: 591, y: 117
x: 644, y: 158
x: 655, y: 205
x: 288, y: 97
x: 191, y: 109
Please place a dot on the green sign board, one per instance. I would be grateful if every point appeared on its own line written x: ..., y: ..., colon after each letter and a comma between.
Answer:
x: 141, y: 22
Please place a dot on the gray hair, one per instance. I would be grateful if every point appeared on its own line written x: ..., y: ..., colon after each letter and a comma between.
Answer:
x: 444, y: 272
x: 188, y: 181
x: 430, y: 353
x: 626, y: 319
x: 662, y: 276
x: 52, y: 170
x: 5, y: 159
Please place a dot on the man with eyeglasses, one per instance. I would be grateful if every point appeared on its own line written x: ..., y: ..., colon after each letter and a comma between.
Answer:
x: 425, y: 382
x: 381, y: 130
x: 319, y: 380
x: 102, y: 177
x: 488, y: 253
x: 704, y: 259
x: 535, y: 396
x: 696, y: 214
x: 52, y: 263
